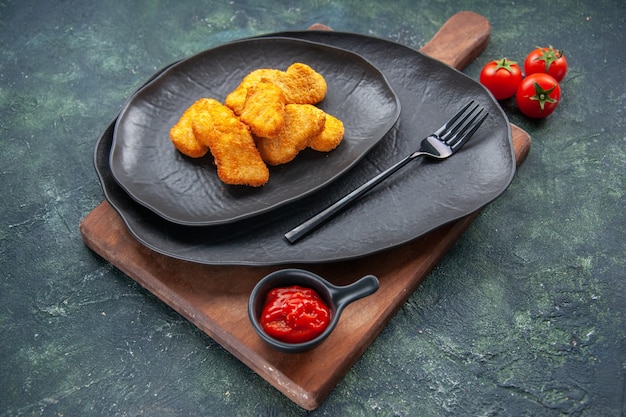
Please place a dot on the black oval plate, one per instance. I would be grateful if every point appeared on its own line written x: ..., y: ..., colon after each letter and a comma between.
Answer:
x: 422, y: 197
x: 187, y: 191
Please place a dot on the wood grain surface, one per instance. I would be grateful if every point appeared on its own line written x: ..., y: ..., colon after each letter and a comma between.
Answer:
x: 214, y: 298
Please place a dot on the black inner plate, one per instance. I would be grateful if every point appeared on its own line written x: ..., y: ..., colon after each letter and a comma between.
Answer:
x: 187, y: 191
x: 418, y: 199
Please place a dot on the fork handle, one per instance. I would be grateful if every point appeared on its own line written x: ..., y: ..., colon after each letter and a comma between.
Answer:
x: 300, y: 231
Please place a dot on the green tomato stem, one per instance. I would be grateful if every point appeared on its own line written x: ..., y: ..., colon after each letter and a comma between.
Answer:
x: 542, y: 95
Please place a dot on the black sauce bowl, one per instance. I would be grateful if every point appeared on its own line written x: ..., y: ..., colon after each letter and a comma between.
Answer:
x: 335, y: 297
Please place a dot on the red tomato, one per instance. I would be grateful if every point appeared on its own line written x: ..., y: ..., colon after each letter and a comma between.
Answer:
x: 538, y: 95
x: 547, y: 60
x: 501, y: 78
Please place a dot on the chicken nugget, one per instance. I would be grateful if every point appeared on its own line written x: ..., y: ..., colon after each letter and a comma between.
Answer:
x: 330, y: 137
x: 264, y: 110
x: 302, y: 84
x: 182, y: 136
x: 231, y: 144
x: 302, y: 122
x: 236, y: 100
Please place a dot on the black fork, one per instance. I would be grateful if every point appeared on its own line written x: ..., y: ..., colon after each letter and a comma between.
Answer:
x: 441, y: 144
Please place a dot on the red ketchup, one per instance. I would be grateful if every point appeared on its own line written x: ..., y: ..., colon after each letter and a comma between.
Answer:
x: 294, y: 314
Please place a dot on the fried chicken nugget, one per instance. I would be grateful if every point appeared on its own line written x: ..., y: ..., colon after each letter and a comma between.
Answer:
x: 302, y: 122
x: 330, y: 137
x: 236, y: 100
x: 231, y: 144
x: 182, y: 136
x: 264, y: 110
x: 300, y: 83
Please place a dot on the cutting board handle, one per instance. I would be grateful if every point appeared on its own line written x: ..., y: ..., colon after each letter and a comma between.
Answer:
x: 460, y: 40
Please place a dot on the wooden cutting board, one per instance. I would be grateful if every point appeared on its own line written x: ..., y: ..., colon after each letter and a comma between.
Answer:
x: 214, y: 298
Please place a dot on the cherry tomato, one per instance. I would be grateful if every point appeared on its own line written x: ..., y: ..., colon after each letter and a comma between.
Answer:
x: 294, y: 314
x: 547, y: 60
x: 501, y: 77
x: 538, y: 95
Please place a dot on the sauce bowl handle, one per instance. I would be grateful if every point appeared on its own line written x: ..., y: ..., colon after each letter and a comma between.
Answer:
x: 342, y: 296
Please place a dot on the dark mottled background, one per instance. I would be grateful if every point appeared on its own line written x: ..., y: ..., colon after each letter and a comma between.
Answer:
x: 524, y: 317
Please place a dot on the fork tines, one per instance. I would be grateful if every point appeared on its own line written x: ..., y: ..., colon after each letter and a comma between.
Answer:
x: 456, y: 132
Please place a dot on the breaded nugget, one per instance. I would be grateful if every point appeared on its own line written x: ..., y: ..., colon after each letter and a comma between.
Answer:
x: 237, y: 98
x: 302, y: 84
x: 302, y: 122
x: 264, y: 110
x: 330, y: 137
x: 231, y: 144
x: 182, y: 136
